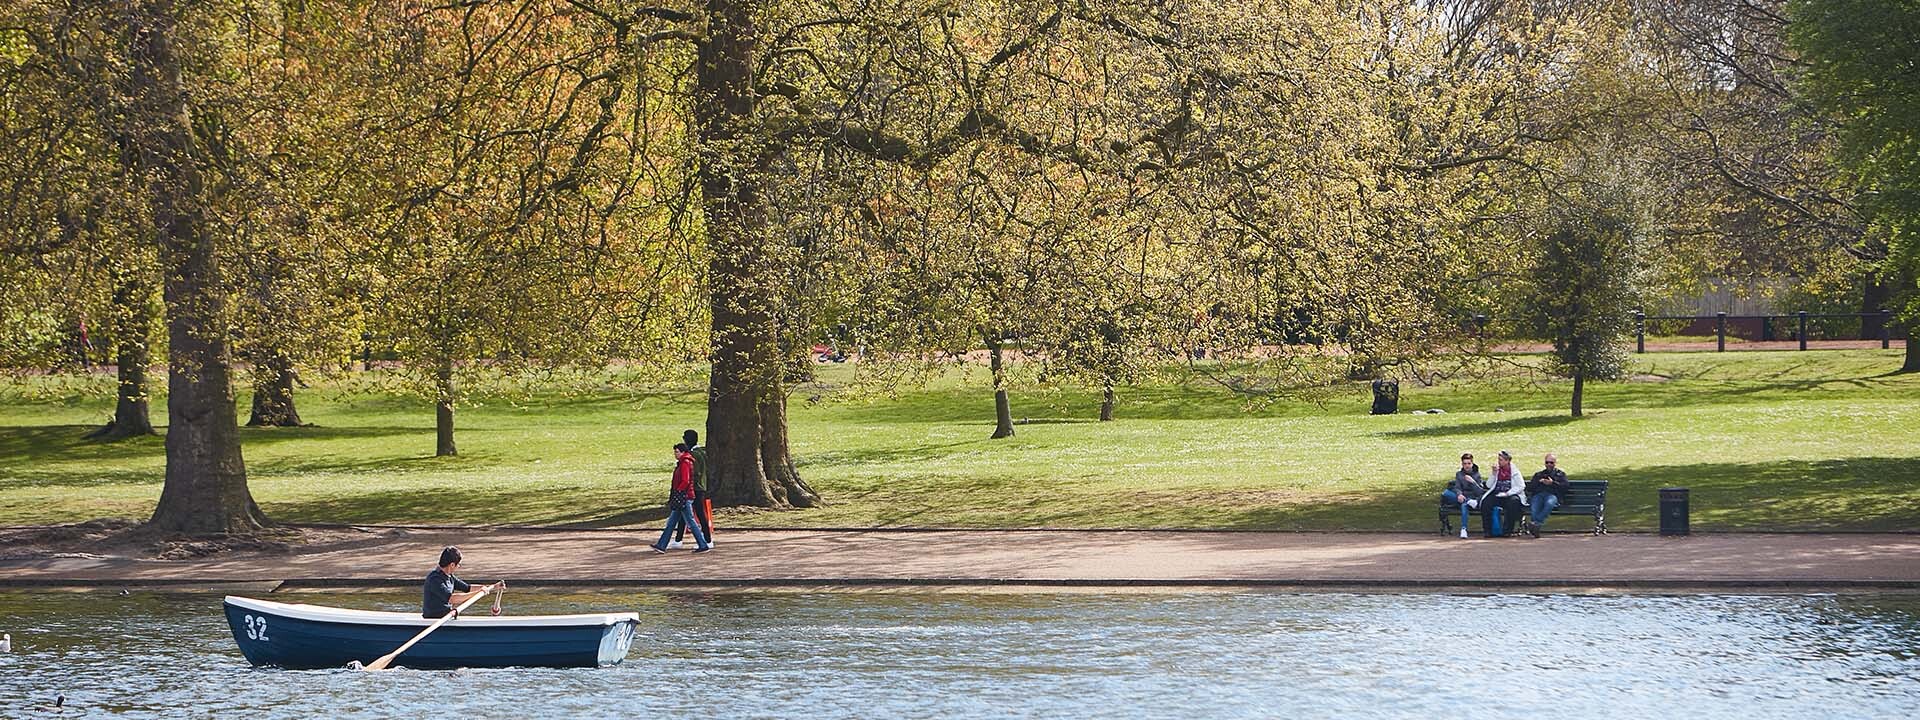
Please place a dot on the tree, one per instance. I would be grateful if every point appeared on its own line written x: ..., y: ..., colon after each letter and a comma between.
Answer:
x: 1587, y: 276
x: 493, y: 207
x: 71, y: 225
x: 1761, y: 193
x: 1862, y: 58
x: 206, y: 479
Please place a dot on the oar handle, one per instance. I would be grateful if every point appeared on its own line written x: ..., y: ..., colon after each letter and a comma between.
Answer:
x: 387, y: 659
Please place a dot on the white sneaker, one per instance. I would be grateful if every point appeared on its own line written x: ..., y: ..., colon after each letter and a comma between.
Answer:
x: 675, y: 545
x: 1463, y: 533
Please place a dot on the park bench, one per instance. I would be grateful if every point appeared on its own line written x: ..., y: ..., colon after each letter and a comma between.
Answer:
x: 1584, y: 497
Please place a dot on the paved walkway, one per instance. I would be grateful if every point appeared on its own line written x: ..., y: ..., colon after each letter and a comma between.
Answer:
x: 824, y: 558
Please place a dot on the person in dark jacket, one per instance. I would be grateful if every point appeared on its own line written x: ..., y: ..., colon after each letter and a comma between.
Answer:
x: 702, y: 502
x: 1546, y: 490
x: 680, y: 503
x: 443, y: 591
x: 1465, y: 490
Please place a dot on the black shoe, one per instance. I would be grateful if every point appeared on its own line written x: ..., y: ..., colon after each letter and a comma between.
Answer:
x: 703, y: 550
x: 658, y: 549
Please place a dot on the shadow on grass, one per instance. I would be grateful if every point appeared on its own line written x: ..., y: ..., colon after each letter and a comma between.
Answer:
x: 58, y: 456
x: 1861, y: 493
x: 1865, y: 493
x: 67, y: 442
x: 881, y: 456
x: 465, y: 505
x: 1508, y: 425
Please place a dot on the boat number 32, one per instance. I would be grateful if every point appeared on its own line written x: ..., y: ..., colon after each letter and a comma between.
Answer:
x: 256, y: 628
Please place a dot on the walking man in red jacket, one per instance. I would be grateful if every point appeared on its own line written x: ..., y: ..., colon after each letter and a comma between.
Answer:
x: 680, y: 503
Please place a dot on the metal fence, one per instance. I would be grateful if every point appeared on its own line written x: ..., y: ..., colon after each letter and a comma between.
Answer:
x: 1798, y: 322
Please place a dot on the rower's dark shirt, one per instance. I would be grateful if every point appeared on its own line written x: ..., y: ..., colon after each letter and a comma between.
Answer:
x: 436, y: 597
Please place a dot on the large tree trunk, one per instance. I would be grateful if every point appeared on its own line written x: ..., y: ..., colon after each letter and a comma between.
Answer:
x: 1579, y: 389
x: 206, y: 479
x: 273, y: 392
x: 443, y: 410
x: 747, y: 458
x: 1106, y: 404
x: 132, y: 315
x: 782, y: 478
x: 1913, y: 354
x: 1875, y: 297
x: 1002, y: 408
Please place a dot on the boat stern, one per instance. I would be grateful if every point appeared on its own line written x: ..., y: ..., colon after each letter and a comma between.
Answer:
x: 616, y: 640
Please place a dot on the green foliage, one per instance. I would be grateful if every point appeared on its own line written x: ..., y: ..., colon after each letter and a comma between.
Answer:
x: 1864, y: 69
x: 1587, y: 276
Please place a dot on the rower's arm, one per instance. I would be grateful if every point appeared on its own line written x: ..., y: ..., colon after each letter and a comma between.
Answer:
x: 459, y: 597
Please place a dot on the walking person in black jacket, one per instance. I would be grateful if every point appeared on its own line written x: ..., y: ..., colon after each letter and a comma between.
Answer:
x: 1546, y: 489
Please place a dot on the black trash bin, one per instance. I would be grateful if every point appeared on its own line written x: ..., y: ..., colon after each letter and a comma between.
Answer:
x: 1673, y: 511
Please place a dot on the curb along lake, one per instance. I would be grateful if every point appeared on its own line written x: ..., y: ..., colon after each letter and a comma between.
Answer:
x: 882, y: 655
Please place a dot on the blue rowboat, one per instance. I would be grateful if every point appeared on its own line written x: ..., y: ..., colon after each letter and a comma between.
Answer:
x: 307, y: 637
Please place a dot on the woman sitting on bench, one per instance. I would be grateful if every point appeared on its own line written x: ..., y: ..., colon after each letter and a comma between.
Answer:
x: 1508, y: 495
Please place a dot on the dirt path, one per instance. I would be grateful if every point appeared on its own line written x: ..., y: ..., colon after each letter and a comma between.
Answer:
x: 827, y: 558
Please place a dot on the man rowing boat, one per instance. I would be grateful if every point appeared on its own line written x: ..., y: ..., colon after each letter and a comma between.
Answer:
x: 443, y: 591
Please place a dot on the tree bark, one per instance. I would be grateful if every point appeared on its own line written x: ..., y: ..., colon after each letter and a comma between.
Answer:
x: 273, y: 392
x: 206, y: 479
x: 782, y: 478
x: 1579, y: 388
x: 1913, y: 354
x: 132, y: 315
x: 1002, y: 408
x: 748, y: 462
x: 443, y: 411
x: 1874, y: 298
x: 1106, y: 404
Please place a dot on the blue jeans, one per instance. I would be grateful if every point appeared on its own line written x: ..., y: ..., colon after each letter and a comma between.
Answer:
x: 1454, y: 497
x: 679, y: 515
x: 1542, y: 505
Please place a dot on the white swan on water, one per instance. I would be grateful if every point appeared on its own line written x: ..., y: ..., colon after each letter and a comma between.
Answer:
x: 6, y: 642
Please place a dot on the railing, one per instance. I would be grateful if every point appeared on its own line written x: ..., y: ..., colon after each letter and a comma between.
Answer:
x: 1799, y: 318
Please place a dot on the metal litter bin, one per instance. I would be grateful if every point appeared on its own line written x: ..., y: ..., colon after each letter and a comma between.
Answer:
x: 1673, y: 511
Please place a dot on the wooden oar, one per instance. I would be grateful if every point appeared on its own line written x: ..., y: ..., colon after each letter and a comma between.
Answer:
x: 387, y: 659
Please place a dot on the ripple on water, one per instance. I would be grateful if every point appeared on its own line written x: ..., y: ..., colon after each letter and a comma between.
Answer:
x: 886, y: 655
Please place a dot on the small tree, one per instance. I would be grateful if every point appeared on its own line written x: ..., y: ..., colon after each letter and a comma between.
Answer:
x: 1586, y: 280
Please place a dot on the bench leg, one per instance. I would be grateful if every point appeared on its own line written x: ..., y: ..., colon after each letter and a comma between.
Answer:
x: 1446, y: 522
x: 1600, y: 520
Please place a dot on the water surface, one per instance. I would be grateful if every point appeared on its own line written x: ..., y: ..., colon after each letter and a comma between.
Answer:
x: 871, y: 655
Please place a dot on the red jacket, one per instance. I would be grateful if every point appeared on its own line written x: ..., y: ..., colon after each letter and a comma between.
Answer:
x: 682, y: 478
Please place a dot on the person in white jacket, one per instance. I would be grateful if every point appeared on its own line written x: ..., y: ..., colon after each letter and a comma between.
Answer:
x: 1506, y: 490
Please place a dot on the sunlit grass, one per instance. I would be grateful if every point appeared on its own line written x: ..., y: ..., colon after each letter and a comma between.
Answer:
x: 1766, y: 440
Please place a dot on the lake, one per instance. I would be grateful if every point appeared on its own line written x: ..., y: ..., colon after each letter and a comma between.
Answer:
x: 1161, y: 655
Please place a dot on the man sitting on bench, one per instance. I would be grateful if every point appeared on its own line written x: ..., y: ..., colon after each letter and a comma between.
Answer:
x: 1546, y: 490
x: 1465, y: 490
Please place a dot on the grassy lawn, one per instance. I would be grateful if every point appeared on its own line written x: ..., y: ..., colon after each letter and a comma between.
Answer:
x: 1820, y: 440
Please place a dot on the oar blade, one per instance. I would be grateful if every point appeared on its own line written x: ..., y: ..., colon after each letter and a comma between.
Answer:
x: 380, y: 664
